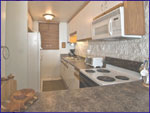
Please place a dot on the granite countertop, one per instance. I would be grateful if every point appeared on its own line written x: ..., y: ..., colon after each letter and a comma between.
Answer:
x: 78, y: 64
x: 126, y: 97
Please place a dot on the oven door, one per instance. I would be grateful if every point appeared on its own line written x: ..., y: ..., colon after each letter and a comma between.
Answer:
x: 86, y: 82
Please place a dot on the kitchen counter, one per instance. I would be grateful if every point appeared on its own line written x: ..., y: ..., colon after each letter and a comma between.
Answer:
x: 126, y: 97
x: 78, y: 64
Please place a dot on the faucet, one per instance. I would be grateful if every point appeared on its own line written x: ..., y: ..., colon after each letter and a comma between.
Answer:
x: 144, y: 65
x: 144, y: 71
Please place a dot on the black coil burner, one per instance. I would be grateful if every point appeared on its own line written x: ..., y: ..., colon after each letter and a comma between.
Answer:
x: 90, y: 71
x: 106, y: 78
x: 122, y: 77
x: 103, y: 70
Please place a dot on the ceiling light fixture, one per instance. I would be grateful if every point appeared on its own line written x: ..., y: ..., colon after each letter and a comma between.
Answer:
x: 49, y: 16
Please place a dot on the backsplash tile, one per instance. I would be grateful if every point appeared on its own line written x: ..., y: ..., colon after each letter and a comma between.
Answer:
x: 127, y: 64
x: 134, y: 49
x: 81, y: 48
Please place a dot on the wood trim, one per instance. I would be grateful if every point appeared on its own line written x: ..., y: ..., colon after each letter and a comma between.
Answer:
x: 30, y: 15
x: 71, y: 34
x: 29, y: 30
x: 64, y: 64
x: 86, y: 39
x: 87, y: 2
x: 109, y: 10
x: 77, y: 76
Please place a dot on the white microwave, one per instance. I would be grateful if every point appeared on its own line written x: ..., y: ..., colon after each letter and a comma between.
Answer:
x: 110, y: 26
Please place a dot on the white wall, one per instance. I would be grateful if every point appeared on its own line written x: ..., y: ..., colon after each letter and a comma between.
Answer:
x: 63, y: 38
x: 16, y: 40
x: 3, y: 24
x: 50, y: 59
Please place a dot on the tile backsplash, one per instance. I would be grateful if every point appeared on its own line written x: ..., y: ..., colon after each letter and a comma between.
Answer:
x: 134, y: 49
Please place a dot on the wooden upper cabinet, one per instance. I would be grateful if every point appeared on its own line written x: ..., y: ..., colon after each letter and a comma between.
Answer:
x: 134, y: 18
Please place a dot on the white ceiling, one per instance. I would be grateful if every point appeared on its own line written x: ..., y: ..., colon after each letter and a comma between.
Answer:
x: 63, y: 10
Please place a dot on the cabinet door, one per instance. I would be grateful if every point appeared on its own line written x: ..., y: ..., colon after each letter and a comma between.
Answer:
x: 70, y: 75
x: 62, y: 70
x: 134, y: 18
x: 72, y: 26
x: 67, y: 73
x: 73, y: 80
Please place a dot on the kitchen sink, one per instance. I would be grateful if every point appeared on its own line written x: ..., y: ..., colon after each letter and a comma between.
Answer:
x: 69, y: 58
x: 72, y: 58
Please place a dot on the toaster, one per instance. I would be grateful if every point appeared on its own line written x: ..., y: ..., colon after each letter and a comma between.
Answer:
x: 94, y: 61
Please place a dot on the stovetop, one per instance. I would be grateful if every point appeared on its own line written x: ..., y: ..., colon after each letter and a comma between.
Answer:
x: 111, y: 75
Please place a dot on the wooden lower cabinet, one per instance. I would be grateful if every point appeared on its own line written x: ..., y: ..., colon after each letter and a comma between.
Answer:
x: 67, y: 73
x: 7, y: 89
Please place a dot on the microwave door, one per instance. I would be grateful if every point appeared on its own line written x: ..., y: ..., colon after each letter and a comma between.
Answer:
x: 116, y: 26
x: 102, y: 29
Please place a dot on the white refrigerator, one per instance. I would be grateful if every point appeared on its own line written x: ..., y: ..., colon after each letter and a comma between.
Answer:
x: 34, y: 46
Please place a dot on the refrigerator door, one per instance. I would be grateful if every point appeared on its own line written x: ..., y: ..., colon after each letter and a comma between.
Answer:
x: 34, y: 61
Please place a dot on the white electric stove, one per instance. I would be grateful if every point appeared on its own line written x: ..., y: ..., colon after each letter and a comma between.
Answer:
x: 111, y: 75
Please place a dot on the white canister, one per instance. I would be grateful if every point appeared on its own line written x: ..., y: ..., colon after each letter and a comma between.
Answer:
x: 145, y: 76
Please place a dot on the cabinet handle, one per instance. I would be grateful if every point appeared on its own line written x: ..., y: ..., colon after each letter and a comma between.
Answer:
x: 77, y: 76
x: 110, y: 27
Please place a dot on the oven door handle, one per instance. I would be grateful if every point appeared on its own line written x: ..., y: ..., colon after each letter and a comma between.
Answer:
x: 83, y: 82
x: 87, y: 81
